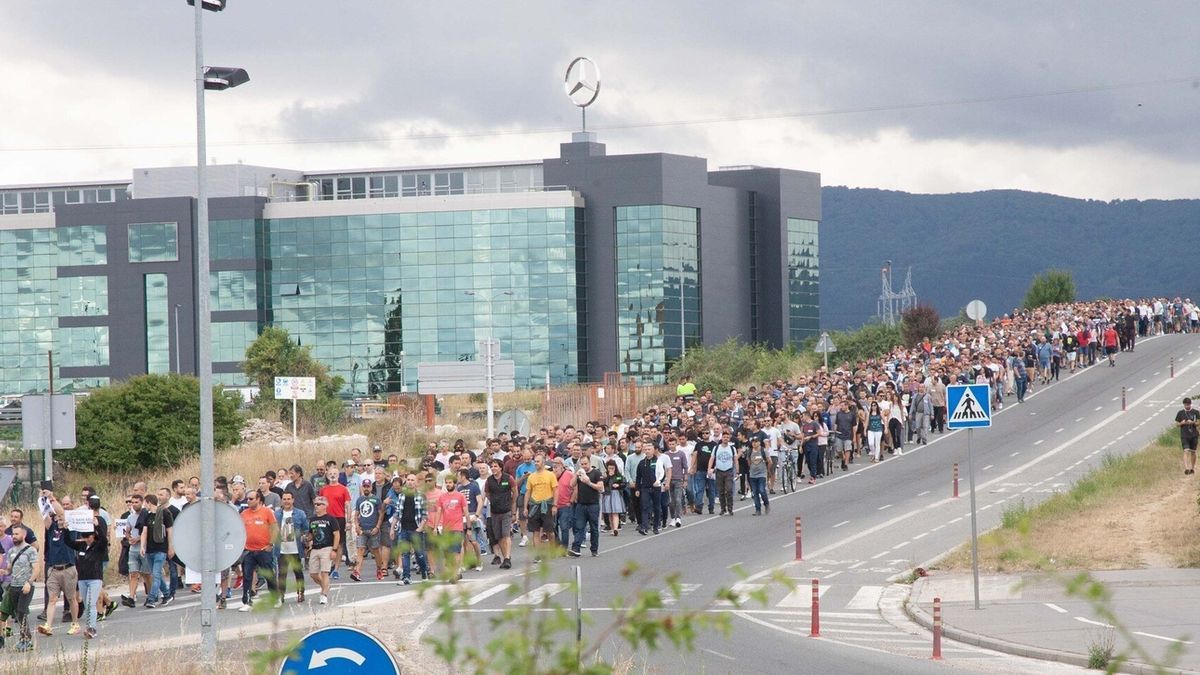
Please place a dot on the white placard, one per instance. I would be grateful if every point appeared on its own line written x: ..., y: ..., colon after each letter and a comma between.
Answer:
x: 298, y: 388
x: 80, y: 520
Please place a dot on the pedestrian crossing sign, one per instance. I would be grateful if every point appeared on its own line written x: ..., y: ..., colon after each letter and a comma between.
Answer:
x: 970, y: 406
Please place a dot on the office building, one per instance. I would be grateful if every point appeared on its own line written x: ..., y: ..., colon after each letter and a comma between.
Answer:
x: 580, y: 264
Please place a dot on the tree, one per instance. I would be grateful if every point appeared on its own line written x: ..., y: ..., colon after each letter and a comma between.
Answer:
x: 148, y: 422
x: 919, y: 322
x: 1049, y: 288
x: 274, y: 354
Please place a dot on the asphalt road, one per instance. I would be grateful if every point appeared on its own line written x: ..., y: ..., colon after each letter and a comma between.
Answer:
x: 861, y: 528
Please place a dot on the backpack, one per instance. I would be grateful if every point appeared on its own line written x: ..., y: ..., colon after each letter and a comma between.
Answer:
x: 158, y: 529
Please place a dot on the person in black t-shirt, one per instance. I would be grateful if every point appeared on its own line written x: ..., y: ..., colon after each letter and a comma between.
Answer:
x: 1186, y: 420
x: 501, y: 490
x: 324, y: 539
x: 704, y: 480
x: 589, y: 484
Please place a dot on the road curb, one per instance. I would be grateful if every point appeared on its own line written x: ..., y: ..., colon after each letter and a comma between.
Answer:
x: 923, y: 619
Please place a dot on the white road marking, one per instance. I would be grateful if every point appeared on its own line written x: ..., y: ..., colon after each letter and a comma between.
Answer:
x: 742, y: 590
x: 1099, y: 407
x: 537, y: 595
x: 879, y: 555
x: 1059, y: 430
x: 844, y: 522
x: 1039, y: 442
x: 938, y: 527
x: 1078, y: 419
x: 885, y: 506
x: 920, y: 536
x: 867, y: 598
x: 802, y: 596
x: 724, y: 656
x: 857, y: 564
x: 1143, y: 380
x: 955, y: 520
x: 1015, y: 453
x: 1161, y: 637
x: 987, y: 467
x: 1055, y: 607
x: 832, y: 575
x: 1094, y: 623
x: 923, y: 493
x: 484, y: 595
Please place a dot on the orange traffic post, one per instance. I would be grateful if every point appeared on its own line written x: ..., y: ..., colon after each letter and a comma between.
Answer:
x: 799, y: 548
x: 815, y: 630
x: 937, y: 629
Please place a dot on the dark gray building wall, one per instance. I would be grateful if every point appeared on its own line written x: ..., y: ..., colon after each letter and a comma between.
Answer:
x: 779, y: 194
x: 126, y: 318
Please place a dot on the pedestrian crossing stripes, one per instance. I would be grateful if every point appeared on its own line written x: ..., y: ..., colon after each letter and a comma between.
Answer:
x: 801, y: 596
x: 539, y: 594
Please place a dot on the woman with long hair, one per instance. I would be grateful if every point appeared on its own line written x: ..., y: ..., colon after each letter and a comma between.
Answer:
x: 874, y: 431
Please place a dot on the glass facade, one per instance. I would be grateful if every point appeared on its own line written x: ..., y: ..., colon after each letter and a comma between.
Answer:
x: 430, y: 182
x: 362, y: 289
x: 233, y: 290
x: 230, y: 339
x: 83, y: 296
x: 158, y: 324
x: 32, y: 297
x: 658, y: 274
x: 33, y: 200
x: 804, y: 279
x: 232, y: 239
x: 153, y: 242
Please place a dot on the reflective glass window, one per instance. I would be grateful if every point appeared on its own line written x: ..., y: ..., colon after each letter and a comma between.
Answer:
x: 153, y: 242
x: 803, y: 280
x: 83, y: 296
x: 158, y: 322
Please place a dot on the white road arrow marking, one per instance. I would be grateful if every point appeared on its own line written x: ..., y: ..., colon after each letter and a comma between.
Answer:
x: 321, y: 658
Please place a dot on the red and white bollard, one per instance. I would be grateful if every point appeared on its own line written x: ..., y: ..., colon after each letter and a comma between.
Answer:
x: 956, y: 480
x: 937, y: 629
x: 815, y: 630
x: 1122, y: 399
x: 799, y: 548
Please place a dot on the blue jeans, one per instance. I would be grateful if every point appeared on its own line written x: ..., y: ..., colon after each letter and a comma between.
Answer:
x: 412, y: 543
x: 587, y: 516
x: 89, y: 595
x: 664, y: 505
x: 159, y: 587
x: 704, y: 486
x: 758, y: 489
x: 262, y: 562
x: 812, y: 457
x: 564, y: 522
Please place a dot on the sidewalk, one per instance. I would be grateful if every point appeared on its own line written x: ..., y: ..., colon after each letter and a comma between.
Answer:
x: 1031, y: 615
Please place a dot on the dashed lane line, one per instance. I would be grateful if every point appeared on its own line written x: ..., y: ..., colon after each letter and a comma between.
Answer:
x: 1055, y: 607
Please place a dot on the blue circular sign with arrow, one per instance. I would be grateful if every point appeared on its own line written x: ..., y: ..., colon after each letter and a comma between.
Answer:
x: 340, y: 650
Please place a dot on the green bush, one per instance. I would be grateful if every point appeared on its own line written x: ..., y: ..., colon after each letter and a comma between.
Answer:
x: 274, y: 354
x: 1050, y: 287
x: 148, y: 422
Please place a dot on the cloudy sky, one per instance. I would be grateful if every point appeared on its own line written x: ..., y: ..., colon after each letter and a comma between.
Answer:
x: 1089, y: 99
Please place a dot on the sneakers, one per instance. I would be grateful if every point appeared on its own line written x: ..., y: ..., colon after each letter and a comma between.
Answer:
x: 128, y: 601
x: 246, y: 607
x: 74, y: 629
x: 496, y: 560
x: 89, y: 633
x: 279, y: 603
x: 573, y: 553
x: 334, y: 575
x: 524, y: 540
x: 355, y: 576
x: 148, y: 605
x: 45, y: 629
x: 396, y: 573
x: 380, y: 575
x: 405, y: 581
x: 112, y: 607
x: 25, y: 646
x: 166, y: 601
x: 324, y: 600
x: 507, y: 564
x: 220, y: 602
x: 678, y: 522
x: 478, y: 568
x: 300, y: 596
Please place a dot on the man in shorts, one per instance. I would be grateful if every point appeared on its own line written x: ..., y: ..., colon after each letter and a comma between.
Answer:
x: 1188, y: 435
x: 323, y: 534
x: 539, y: 503
x: 501, y: 492
x: 368, y: 512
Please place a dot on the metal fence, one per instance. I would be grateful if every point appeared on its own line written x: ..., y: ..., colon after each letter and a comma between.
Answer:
x: 31, y: 471
x: 600, y: 401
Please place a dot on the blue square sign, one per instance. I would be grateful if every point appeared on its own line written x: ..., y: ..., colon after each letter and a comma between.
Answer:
x: 969, y: 406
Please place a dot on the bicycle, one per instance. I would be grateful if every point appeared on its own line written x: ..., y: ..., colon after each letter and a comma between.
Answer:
x: 787, y: 472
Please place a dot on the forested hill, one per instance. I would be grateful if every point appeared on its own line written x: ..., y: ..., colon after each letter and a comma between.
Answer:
x: 988, y: 245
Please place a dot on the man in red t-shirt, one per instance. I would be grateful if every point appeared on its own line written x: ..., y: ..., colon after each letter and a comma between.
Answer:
x: 1110, y: 344
x: 451, y: 516
x: 339, y: 504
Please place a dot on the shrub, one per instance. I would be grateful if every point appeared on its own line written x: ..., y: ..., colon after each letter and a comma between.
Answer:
x: 1050, y: 287
x: 918, y: 323
x: 150, y: 421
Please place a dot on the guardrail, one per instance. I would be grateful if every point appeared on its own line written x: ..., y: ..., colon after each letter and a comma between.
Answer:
x: 10, y: 417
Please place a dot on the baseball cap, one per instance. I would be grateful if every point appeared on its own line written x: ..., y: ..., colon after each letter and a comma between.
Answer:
x: 238, y: 479
x: 351, y: 462
x: 367, y: 481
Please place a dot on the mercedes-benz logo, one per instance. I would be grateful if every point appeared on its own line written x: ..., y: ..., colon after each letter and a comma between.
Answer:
x: 582, y: 82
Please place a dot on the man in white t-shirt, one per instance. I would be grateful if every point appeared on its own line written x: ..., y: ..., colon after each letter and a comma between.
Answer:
x: 178, y: 499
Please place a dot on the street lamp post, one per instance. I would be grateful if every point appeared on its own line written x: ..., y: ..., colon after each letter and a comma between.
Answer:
x: 177, y: 369
x: 403, y: 384
x: 215, y: 78
x: 489, y: 360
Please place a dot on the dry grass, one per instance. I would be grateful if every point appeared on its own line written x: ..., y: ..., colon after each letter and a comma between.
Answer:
x: 1132, y: 512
